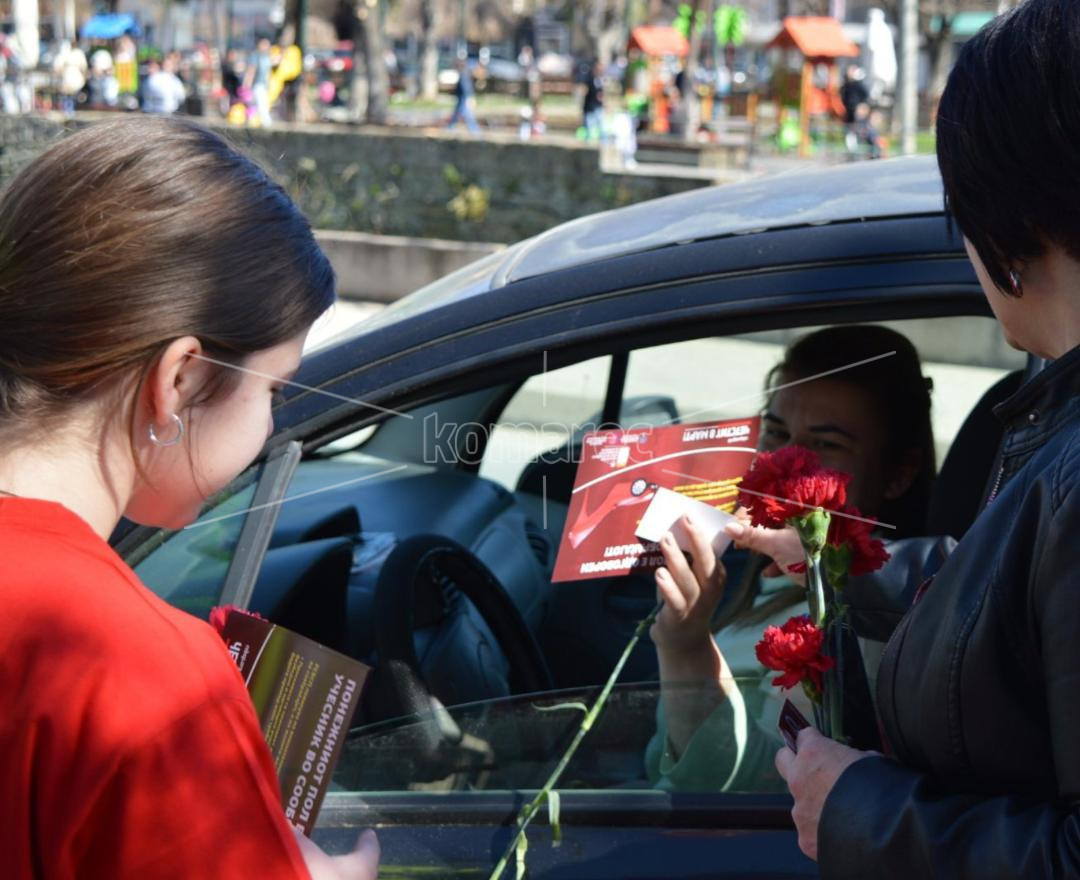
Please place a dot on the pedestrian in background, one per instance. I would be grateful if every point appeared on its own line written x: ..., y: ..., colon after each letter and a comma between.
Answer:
x: 257, y: 79
x: 70, y: 67
x: 858, y: 117
x: 464, y: 93
x: 592, y: 107
x: 163, y: 93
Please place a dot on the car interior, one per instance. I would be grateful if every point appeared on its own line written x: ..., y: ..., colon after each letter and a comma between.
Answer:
x: 424, y: 546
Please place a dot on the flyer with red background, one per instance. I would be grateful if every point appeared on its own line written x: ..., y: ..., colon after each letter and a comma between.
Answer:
x: 618, y: 476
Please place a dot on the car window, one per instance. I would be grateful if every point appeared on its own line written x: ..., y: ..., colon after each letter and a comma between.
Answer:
x: 188, y: 568
x: 549, y: 411
x: 723, y: 377
x: 963, y: 355
x: 515, y: 743
x: 718, y: 378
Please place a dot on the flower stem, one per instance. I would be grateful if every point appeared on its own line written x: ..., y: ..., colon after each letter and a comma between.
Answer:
x: 815, y: 590
x: 533, y: 807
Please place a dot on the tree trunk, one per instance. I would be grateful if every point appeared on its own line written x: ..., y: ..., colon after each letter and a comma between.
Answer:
x: 691, y: 103
x: 939, y: 46
x: 594, y: 29
x: 377, y: 76
x: 429, y: 50
x: 358, y: 84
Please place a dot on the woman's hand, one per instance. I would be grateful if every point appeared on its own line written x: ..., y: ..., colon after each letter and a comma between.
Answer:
x: 360, y: 864
x: 690, y: 592
x: 694, y: 678
x: 810, y: 776
x: 782, y: 546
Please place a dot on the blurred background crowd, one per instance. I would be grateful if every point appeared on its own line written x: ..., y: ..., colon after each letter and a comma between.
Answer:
x: 799, y: 71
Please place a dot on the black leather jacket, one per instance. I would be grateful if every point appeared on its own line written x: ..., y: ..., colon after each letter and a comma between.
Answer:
x: 979, y: 686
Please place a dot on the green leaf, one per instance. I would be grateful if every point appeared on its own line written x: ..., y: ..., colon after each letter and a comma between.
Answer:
x: 682, y: 22
x: 836, y: 561
x: 729, y: 24
x: 813, y: 528
x: 553, y: 817
x: 519, y: 857
x: 560, y: 706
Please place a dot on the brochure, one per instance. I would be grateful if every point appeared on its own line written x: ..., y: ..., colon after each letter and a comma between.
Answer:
x: 305, y: 695
x: 622, y: 501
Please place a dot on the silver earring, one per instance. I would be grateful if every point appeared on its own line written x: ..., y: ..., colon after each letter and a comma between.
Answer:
x: 1017, y: 284
x: 179, y: 433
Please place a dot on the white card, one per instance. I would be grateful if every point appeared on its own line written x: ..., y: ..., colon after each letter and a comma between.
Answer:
x: 665, y: 512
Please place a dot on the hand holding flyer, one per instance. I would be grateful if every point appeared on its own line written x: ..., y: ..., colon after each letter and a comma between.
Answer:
x: 665, y: 514
x: 633, y: 485
x: 305, y: 695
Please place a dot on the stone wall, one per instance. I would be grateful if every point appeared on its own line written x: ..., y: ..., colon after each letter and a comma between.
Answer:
x: 384, y: 268
x: 434, y: 185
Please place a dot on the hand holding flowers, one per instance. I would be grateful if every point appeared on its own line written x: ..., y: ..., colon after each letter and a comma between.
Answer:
x: 789, y: 488
x: 811, y: 774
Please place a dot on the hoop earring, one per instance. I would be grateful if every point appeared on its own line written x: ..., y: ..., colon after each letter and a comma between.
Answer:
x: 179, y: 433
x: 1017, y: 285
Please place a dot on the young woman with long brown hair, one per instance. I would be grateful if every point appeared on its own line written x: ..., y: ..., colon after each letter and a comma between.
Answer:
x: 139, y: 260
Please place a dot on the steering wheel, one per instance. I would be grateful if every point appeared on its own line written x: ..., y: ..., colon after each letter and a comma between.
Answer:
x: 427, y: 571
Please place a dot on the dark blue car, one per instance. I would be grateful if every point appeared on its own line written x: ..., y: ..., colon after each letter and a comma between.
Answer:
x: 444, y: 431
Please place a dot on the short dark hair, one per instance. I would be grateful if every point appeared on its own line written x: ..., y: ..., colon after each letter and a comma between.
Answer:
x: 1008, y: 132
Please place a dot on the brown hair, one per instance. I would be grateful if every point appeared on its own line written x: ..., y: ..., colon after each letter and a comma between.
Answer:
x: 901, y: 399
x: 130, y: 234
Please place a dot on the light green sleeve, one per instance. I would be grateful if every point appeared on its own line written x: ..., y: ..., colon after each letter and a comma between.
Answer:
x: 735, y: 747
x: 711, y: 759
x: 733, y: 750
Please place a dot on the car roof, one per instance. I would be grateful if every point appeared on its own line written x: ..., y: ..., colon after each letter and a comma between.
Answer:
x: 842, y: 193
x: 909, y: 186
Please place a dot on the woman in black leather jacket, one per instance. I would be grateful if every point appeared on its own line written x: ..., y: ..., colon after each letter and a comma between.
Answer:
x: 979, y: 688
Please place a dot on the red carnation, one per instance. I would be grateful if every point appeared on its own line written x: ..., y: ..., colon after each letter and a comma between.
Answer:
x: 220, y: 613
x: 867, y: 553
x: 795, y: 650
x: 796, y: 483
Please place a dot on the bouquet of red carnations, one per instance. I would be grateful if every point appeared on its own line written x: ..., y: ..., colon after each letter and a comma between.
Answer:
x: 819, y: 651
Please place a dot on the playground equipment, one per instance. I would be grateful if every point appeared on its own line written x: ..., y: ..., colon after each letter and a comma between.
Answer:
x: 817, y: 42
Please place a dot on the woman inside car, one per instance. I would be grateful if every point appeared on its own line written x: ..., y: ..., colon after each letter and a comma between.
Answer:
x: 977, y: 694
x: 717, y: 725
x: 156, y: 289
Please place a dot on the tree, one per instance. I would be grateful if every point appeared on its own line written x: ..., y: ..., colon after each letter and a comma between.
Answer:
x: 429, y: 50
x: 378, y: 78
x: 692, y: 22
x: 369, y: 91
x: 936, y: 21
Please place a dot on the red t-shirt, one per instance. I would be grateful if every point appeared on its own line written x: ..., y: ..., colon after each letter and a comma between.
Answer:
x: 128, y: 744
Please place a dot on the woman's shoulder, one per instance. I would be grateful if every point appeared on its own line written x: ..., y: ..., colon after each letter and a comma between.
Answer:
x: 1065, y: 466
x: 82, y: 628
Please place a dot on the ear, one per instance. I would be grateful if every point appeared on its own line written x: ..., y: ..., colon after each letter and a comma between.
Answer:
x: 904, y: 473
x: 174, y: 379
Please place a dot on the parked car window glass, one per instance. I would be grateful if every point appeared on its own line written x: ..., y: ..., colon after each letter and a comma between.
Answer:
x: 549, y: 411
x: 188, y: 569
x: 717, y: 378
x: 722, y: 377
x: 514, y: 743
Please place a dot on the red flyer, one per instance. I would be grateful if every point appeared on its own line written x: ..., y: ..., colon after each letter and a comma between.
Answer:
x: 620, y: 474
x: 305, y: 695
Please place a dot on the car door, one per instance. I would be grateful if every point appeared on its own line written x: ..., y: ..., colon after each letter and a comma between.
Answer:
x: 443, y: 788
